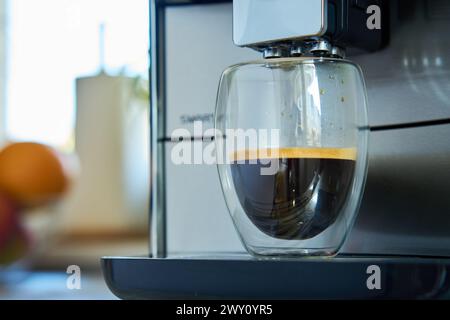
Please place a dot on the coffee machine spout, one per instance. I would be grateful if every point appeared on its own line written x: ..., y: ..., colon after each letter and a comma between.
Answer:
x: 292, y: 28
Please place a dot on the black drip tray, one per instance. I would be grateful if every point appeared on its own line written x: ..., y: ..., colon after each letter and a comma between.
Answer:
x: 243, y: 277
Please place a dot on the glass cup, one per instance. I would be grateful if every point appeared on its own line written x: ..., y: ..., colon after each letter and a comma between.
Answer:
x: 292, y: 142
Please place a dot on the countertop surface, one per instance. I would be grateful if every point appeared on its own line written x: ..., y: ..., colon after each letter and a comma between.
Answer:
x: 52, y: 285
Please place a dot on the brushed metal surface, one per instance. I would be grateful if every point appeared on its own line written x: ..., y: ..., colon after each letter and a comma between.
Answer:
x: 199, y: 47
x: 405, y: 208
x: 410, y: 80
x: 406, y: 204
x: 197, y: 216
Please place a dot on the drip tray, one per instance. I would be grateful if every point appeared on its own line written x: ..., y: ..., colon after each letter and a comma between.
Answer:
x: 244, y: 277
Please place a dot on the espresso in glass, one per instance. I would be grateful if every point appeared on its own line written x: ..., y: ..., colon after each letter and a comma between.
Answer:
x: 302, y: 197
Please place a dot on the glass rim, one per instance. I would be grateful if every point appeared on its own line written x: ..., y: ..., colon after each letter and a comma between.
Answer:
x: 295, y: 60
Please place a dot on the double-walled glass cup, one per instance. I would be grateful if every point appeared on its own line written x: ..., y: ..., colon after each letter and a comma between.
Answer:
x: 291, y: 140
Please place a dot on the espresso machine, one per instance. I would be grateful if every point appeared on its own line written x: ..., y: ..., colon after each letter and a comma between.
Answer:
x: 403, y: 224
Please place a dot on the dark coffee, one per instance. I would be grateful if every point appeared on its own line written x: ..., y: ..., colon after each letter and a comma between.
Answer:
x: 305, y: 195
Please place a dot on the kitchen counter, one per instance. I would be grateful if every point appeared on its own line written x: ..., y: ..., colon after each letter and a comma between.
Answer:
x: 51, y: 285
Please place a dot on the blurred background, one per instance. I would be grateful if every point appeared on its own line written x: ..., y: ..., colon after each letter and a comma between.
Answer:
x: 73, y: 136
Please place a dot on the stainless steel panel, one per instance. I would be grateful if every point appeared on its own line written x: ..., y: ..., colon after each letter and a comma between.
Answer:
x: 197, y: 217
x: 406, y: 205
x: 199, y: 47
x: 405, y: 209
x: 410, y: 80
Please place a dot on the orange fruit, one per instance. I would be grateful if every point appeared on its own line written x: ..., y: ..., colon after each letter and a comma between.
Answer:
x: 32, y: 174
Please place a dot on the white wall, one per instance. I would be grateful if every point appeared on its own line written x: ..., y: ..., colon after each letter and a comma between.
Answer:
x: 3, y: 64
